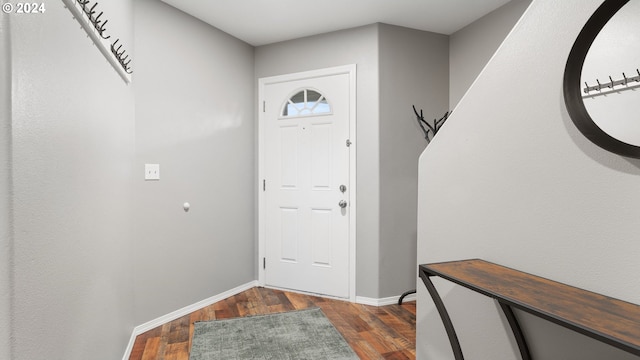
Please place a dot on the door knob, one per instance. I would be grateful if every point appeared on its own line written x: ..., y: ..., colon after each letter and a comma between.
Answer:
x: 342, y: 204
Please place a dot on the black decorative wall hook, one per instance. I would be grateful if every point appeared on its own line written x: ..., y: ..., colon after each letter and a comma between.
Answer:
x: 431, y: 129
x: 120, y: 56
x: 84, y: 4
x: 99, y: 25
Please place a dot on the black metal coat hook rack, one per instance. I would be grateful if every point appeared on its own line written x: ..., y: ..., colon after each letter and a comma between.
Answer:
x: 92, y: 21
x: 120, y: 56
x: 428, y: 129
x: 84, y: 4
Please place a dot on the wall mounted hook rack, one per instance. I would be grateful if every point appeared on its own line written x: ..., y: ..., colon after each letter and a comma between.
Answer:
x: 90, y: 20
x: 627, y: 83
x: 428, y: 129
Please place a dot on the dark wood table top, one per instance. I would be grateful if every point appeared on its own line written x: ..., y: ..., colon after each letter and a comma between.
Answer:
x: 610, y: 320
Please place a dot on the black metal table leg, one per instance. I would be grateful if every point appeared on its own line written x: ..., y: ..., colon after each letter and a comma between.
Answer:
x: 404, y: 295
x: 446, y: 320
x: 517, y: 331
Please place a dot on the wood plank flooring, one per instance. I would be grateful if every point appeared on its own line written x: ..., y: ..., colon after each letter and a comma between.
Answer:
x: 386, y: 332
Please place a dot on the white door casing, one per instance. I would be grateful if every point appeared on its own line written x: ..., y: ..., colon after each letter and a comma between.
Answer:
x: 306, y: 239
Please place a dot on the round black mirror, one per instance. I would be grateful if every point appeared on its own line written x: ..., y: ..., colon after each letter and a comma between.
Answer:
x: 604, y: 131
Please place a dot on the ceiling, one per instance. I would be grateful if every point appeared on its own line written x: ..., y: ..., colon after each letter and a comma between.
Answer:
x: 260, y: 22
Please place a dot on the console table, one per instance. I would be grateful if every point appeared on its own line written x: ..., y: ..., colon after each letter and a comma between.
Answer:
x: 603, y: 318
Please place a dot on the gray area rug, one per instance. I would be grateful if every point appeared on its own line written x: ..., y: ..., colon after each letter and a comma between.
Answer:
x: 294, y: 335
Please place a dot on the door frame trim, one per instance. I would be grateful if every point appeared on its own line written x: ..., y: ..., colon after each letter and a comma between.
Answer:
x: 262, y: 83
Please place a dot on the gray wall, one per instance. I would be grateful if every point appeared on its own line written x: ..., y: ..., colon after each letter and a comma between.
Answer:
x: 471, y: 47
x: 194, y: 117
x: 414, y: 68
x: 356, y: 46
x: 6, y: 232
x: 510, y: 179
x: 72, y: 136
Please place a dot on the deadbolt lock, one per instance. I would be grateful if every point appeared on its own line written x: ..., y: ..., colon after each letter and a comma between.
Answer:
x: 343, y: 188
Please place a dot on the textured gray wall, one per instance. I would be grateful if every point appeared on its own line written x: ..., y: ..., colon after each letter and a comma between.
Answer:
x: 471, y: 47
x: 6, y: 224
x: 414, y: 70
x: 355, y: 46
x: 194, y: 117
x: 72, y: 161
x: 511, y: 180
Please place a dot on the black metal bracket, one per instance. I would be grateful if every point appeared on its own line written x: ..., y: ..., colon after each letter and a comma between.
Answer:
x: 444, y: 315
x: 517, y: 331
x: 405, y: 295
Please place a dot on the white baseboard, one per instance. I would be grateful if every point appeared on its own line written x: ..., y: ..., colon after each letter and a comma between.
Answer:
x: 182, y: 312
x: 392, y: 300
x: 383, y: 301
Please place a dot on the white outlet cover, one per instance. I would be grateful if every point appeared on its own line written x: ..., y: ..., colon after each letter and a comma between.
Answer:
x: 152, y: 171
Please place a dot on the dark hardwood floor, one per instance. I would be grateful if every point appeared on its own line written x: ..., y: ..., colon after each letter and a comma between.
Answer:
x: 387, y: 332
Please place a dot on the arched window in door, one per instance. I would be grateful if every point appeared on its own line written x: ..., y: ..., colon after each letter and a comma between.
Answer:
x: 306, y: 102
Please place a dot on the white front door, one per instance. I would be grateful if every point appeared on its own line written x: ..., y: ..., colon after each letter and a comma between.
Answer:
x: 306, y: 184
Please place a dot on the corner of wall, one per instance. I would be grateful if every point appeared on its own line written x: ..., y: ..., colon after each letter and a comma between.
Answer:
x: 413, y: 71
x: 6, y: 227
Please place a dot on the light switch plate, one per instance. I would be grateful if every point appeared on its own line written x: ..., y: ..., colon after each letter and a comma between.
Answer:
x: 152, y: 171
